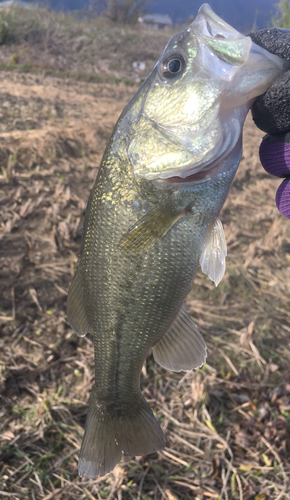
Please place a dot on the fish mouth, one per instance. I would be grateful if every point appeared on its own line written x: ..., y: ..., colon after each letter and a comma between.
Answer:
x: 226, y: 165
x: 222, y: 159
x: 204, y: 175
x: 215, y: 158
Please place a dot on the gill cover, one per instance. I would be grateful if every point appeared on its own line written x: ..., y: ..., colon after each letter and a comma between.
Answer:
x: 197, y: 99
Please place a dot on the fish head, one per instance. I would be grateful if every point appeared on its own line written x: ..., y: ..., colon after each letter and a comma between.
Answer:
x: 196, y: 98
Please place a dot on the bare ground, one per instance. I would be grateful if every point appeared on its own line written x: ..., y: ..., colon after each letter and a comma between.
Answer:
x: 227, y: 425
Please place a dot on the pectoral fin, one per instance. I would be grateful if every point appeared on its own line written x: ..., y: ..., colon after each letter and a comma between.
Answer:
x: 76, y: 313
x: 151, y: 227
x: 182, y: 348
x: 214, y: 251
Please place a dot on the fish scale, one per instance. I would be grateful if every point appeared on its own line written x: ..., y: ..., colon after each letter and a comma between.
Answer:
x: 128, y: 283
x: 152, y: 216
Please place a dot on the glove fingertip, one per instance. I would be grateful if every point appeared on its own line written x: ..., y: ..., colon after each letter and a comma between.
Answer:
x: 283, y: 198
x: 275, y: 156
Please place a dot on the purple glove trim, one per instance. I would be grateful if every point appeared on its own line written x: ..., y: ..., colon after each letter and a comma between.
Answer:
x: 275, y: 157
x: 283, y: 198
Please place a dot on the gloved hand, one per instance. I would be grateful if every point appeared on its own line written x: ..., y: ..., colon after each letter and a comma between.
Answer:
x: 271, y: 113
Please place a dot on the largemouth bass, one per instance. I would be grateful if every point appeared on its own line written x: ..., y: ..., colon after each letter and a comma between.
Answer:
x: 152, y: 216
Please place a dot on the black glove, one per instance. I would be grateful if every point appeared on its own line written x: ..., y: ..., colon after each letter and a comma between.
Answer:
x: 271, y: 113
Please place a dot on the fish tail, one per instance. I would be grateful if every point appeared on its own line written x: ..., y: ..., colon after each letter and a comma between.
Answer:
x: 107, y: 437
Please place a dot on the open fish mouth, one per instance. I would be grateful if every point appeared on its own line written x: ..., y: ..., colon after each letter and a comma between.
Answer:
x: 196, y: 157
x: 217, y: 156
x: 202, y: 175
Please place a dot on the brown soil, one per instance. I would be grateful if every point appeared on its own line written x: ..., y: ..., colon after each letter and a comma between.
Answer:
x: 227, y: 424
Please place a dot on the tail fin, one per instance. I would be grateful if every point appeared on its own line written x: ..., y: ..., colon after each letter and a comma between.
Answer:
x: 107, y: 437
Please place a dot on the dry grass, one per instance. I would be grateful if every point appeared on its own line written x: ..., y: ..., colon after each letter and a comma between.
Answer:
x: 228, y: 424
x: 83, y: 48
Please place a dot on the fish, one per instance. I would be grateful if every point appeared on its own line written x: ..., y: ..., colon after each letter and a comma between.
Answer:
x: 151, y: 218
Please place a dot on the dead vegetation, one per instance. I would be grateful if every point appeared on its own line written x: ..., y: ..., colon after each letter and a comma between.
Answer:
x: 91, y: 49
x: 228, y: 424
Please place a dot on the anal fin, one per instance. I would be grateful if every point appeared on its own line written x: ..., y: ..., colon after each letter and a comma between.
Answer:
x: 182, y: 348
x: 214, y: 251
x: 151, y: 227
x: 76, y: 313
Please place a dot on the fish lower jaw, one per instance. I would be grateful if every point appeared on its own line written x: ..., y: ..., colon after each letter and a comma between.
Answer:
x: 207, y: 171
x: 223, y: 165
x: 202, y: 175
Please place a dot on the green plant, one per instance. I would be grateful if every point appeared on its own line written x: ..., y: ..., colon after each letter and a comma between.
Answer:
x: 282, y: 17
x: 17, y: 24
x: 3, y: 32
x: 14, y: 59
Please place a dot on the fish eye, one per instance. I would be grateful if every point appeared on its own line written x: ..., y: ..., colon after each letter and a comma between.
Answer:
x: 172, y: 65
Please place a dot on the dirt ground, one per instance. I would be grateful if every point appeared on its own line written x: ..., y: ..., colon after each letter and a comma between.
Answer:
x: 227, y: 424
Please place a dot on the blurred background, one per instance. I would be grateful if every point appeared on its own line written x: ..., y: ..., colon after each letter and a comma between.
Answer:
x: 242, y: 14
x: 67, y: 69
